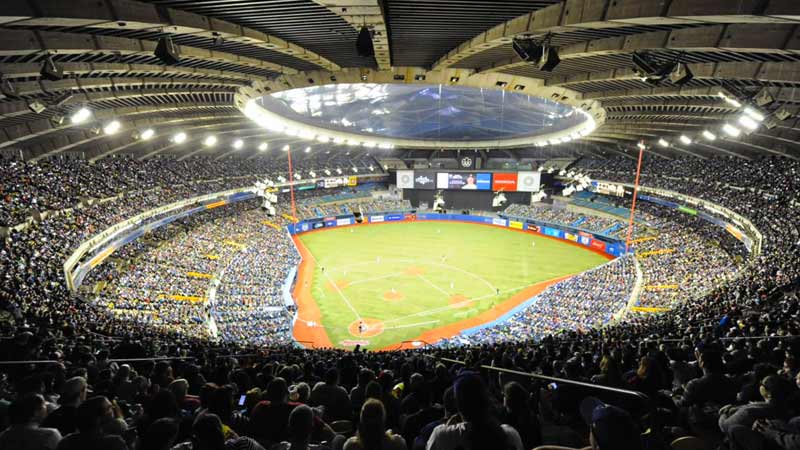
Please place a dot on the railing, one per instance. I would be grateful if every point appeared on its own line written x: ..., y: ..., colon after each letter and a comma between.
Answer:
x: 598, y: 387
x: 124, y: 360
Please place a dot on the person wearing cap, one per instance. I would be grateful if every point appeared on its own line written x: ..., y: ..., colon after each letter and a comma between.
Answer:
x: 610, y: 427
x: 73, y: 393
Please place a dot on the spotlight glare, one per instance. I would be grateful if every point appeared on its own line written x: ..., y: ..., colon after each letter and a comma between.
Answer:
x: 748, y: 123
x: 80, y: 116
x: 179, y: 137
x: 285, y: 148
x: 263, y: 146
x: 663, y: 143
x: 731, y: 130
x: 147, y: 134
x: 307, y: 150
x: 755, y: 115
x: 685, y: 139
x: 210, y: 141
x: 112, y: 127
x: 237, y: 144
x: 709, y: 135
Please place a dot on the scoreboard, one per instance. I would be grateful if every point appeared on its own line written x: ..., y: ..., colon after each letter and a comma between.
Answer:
x: 520, y: 181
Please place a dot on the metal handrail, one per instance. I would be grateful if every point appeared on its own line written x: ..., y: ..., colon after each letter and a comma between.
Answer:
x: 639, y: 395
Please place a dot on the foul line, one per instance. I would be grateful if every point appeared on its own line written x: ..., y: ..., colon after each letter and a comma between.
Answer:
x: 442, y: 308
x: 411, y: 325
x: 341, y: 294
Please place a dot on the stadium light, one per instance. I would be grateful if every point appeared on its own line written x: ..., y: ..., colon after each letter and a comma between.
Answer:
x: 355, y: 169
x: 327, y: 172
x: 338, y: 140
x: 371, y: 169
x: 663, y: 143
x: 263, y: 146
x: 685, y: 139
x: 147, y: 134
x: 339, y: 171
x: 80, y: 116
x: 210, y: 141
x: 369, y: 144
x: 324, y: 139
x: 307, y: 150
x: 312, y: 174
x: 285, y: 148
x: 731, y: 130
x: 753, y: 114
x: 112, y: 127
x: 731, y: 101
x: 179, y: 138
x: 748, y: 123
x: 238, y: 144
x: 709, y: 135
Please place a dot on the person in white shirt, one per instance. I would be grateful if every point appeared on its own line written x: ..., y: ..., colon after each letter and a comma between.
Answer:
x: 474, y: 428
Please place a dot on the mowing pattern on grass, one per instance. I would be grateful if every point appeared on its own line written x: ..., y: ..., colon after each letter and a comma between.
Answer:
x: 381, y: 285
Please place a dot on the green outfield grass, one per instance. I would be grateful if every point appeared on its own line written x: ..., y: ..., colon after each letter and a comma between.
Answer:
x: 412, y: 277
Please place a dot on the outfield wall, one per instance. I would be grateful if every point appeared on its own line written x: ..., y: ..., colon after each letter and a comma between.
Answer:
x: 601, y: 244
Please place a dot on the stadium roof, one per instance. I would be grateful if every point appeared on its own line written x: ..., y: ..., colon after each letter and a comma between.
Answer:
x: 231, y: 50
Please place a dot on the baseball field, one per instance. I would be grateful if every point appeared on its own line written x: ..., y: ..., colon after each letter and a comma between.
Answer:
x: 393, y: 285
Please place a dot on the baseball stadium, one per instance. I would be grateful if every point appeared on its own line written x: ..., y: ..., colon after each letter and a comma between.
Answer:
x: 400, y: 225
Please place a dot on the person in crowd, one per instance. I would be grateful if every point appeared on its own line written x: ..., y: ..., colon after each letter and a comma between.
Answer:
x: 478, y: 427
x: 372, y: 433
x: 332, y: 397
x: 92, y: 421
x: 24, y: 433
x: 73, y: 393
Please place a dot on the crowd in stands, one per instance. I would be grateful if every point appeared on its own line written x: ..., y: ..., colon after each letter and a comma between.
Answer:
x: 61, y: 183
x: 582, y: 302
x: 722, y: 367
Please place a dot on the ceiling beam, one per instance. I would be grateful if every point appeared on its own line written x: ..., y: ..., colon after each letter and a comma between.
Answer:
x: 365, y: 13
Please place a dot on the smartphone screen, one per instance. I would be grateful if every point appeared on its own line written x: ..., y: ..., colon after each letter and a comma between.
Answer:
x: 242, y: 399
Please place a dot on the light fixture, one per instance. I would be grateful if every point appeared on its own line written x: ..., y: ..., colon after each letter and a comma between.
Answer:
x: 147, y: 134
x: 755, y: 115
x: 454, y: 79
x: 729, y: 100
x: 663, y: 143
x: 50, y: 70
x: 36, y: 106
x: 179, y: 138
x: 355, y: 169
x: 339, y: 171
x: 731, y: 130
x: 285, y: 148
x: 338, y: 140
x: 685, y: 139
x: 80, y: 116
x: 747, y: 122
x: 263, y: 147
x: 369, y: 144
x: 327, y: 172
x: 709, y: 135
x: 307, y: 150
x: 371, y: 169
x: 322, y: 138
x: 210, y: 141
x: 112, y: 127
x: 238, y: 144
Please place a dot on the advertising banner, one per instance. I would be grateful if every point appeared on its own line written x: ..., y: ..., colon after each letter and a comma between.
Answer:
x: 476, y: 181
x: 442, y: 180
x: 515, y: 224
x: 504, y: 182
x: 405, y: 179
x: 424, y: 179
x: 318, y: 225
x: 598, y: 245
x: 500, y: 222
x: 394, y: 217
x: 375, y: 219
x: 352, y: 180
x: 330, y: 222
x: 528, y: 181
x: 345, y: 221
x: 571, y: 237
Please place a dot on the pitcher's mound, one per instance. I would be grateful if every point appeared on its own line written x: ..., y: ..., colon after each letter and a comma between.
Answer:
x: 337, y: 285
x: 393, y: 296
x: 414, y: 271
x: 366, y: 327
x: 460, y: 301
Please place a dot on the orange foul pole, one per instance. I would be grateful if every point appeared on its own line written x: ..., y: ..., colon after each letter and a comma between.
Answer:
x: 635, y: 194
x: 291, y: 181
